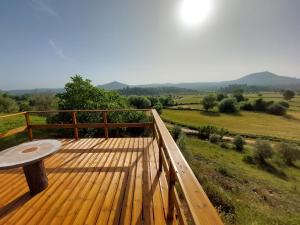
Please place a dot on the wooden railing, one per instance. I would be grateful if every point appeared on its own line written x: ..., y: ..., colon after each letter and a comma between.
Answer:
x: 171, y: 161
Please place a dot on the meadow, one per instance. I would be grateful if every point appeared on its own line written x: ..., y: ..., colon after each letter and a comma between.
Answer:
x: 248, y: 194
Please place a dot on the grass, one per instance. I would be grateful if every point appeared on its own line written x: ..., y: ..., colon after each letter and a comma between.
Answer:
x: 243, y: 123
x: 248, y: 194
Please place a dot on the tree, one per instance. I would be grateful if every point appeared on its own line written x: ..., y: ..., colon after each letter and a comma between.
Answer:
x: 209, y: 101
x: 221, y: 96
x: 7, y: 104
x: 239, y: 142
x: 167, y: 100
x: 228, y: 105
x: 139, y: 102
x: 289, y: 152
x: 288, y: 94
x: 276, y: 109
x: 158, y: 107
x: 176, y: 132
x: 238, y: 95
x: 263, y: 150
x: 261, y: 105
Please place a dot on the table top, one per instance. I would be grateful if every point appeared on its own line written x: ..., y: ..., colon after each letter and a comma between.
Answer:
x: 28, y: 153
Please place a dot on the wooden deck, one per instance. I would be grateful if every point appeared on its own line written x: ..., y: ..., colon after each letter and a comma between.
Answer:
x: 91, y: 181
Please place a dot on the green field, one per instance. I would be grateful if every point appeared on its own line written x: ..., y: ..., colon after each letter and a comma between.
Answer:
x: 249, y: 194
x: 251, y: 123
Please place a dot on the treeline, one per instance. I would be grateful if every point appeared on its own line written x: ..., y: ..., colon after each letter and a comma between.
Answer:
x: 155, y: 91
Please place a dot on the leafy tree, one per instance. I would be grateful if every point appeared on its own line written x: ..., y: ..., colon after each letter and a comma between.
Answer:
x: 284, y: 104
x: 176, y: 132
x: 139, y: 102
x: 7, y: 104
x: 43, y: 102
x: 238, y: 95
x: 239, y: 142
x: 263, y: 150
x: 209, y: 101
x: 158, y: 107
x: 205, y: 131
x: 167, y: 100
x: 288, y: 94
x: 154, y: 100
x: 221, y: 96
x: 289, y: 152
x: 214, y: 138
x: 228, y: 105
x: 246, y: 105
x: 261, y: 105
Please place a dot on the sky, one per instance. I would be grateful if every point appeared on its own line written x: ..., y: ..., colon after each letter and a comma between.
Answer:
x: 44, y: 42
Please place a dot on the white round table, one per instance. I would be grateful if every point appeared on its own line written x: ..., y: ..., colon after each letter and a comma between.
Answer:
x: 30, y: 156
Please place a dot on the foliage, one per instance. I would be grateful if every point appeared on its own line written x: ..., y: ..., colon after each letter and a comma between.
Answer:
x: 239, y: 142
x: 167, y: 100
x: 181, y: 143
x: 289, y: 152
x: 155, y: 91
x: 221, y: 96
x: 276, y: 109
x: 228, y: 105
x: 214, y: 138
x: 249, y: 159
x: 154, y: 100
x: 238, y: 95
x: 263, y: 150
x: 246, y: 105
x: 204, y: 132
x: 260, y: 105
x: 284, y: 104
x: 158, y: 106
x: 176, y: 132
x: 139, y: 102
x: 288, y: 94
x: 7, y: 104
x: 209, y: 101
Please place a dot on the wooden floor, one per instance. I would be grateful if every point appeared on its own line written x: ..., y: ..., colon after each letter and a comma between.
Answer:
x: 91, y: 181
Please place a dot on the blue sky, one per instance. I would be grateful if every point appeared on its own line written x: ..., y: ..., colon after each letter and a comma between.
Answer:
x: 44, y: 42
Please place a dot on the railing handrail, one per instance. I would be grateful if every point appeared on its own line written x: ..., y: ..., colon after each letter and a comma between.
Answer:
x: 198, y: 203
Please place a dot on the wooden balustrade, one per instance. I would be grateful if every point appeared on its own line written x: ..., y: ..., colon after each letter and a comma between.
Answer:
x: 171, y: 161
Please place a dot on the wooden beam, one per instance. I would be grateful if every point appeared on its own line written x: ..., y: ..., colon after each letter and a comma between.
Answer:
x: 13, y: 131
x: 74, y: 120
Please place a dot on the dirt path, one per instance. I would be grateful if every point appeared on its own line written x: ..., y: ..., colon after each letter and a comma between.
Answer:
x: 195, y: 132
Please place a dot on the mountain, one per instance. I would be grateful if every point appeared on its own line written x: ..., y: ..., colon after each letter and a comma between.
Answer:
x: 115, y: 85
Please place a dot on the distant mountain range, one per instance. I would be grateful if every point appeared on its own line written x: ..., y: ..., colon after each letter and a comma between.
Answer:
x: 261, y: 79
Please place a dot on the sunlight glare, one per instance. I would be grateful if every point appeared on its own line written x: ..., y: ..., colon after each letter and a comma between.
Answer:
x: 194, y: 12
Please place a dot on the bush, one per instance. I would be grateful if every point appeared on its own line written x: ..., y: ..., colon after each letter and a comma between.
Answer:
x: 158, y: 107
x: 209, y: 101
x: 228, y: 105
x: 284, y: 104
x: 276, y: 109
x: 238, y: 95
x: 247, y: 106
x: 214, y: 138
x: 249, y: 159
x: 239, y: 142
x: 181, y: 143
x: 224, y: 145
x: 263, y: 150
x: 139, y: 102
x: 221, y: 96
x: 288, y: 94
x: 289, y: 152
x: 205, y: 131
x: 176, y: 132
x: 261, y: 105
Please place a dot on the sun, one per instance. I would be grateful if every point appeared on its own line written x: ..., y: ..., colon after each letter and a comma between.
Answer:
x: 194, y: 12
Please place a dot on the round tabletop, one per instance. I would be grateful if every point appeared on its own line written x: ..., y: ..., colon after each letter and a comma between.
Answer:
x: 28, y: 153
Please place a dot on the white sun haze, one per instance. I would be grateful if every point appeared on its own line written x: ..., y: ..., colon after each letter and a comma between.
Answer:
x: 194, y: 12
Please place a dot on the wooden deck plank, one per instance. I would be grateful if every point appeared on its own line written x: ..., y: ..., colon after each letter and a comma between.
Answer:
x: 91, y: 181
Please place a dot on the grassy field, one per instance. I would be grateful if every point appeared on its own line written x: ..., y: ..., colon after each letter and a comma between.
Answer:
x: 244, y: 122
x: 14, y: 122
x: 248, y: 194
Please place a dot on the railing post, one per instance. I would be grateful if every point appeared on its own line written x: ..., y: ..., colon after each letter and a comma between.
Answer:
x: 160, y: 154
x: 171, y: 193
x: 29, y: 129
x: 74, y: 121
x: 105, y: 124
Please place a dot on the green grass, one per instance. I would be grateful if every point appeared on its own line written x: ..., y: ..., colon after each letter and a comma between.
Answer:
x: 251, y: 123
x: 258, y: 197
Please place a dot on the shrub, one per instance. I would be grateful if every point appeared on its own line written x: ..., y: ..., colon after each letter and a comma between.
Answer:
x: 209, y: 101
x: 224, y: 145
x: 288, y: 94
x: 249, y: 159
x: 214, y: 138
x: 176, y: 132
x: 261, y: 105
x: 246, y: 106
x: 205, y: 131
x: 284, y: 104
x: 239, y: 142
x: 263, y: 150
x: 238, y: 95
x: 221, y: 96
x: 139, y: 102
x: 181, y: 143
x: 276, y: 109
x: 289, y: 152
x: 158, y: 107
x: 228, y: 105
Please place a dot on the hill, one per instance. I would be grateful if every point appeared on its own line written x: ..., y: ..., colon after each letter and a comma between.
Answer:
x: 115, y: 85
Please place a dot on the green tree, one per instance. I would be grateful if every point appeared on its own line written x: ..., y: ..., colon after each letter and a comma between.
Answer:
x: 7, y: 104
x: 288, y: 94
x: 263, y: 150
x: 209, y: 101
x: 140, y: 102
x: 228, y: 105
x: 239, y: 142
x: 289, y: 152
